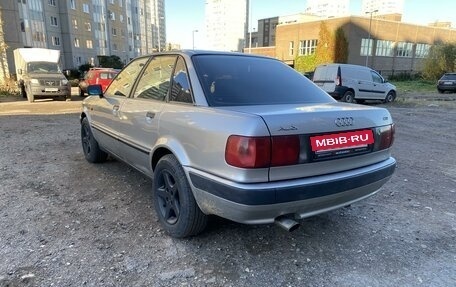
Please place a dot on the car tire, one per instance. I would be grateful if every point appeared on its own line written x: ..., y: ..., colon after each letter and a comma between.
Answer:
x: 348, y: 97
x: 177, y: 210
x: 390, y: 97
x: 68, y: 98
x: 92, y: 151
x: 440, y: 91
x: 23, y: 92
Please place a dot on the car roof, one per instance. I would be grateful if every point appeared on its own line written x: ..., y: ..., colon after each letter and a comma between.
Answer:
x: 210, y: 52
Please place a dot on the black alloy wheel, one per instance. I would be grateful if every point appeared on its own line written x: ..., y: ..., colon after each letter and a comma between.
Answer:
x: 177, y: 210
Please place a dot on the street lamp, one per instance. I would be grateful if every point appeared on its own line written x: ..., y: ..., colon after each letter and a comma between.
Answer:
x: 193, y: 38
x: 158, y: 28
x: 369, y: 38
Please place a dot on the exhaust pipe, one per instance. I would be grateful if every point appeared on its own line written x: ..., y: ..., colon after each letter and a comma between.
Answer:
x: 286, y: 223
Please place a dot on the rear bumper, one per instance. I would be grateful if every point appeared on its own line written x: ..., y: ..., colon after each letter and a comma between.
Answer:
x: 59, y: 91
x: 263, y: 202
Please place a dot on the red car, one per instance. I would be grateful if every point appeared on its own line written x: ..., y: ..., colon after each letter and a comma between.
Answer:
x: 97, y: 76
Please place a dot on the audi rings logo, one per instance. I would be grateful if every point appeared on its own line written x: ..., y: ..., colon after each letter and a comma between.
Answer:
x: 344, y: 122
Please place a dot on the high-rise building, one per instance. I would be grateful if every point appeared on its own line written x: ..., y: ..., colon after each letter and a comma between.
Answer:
x: 382, y: 7
x: 83, y: 30
x: 226, y: 24
x: 328, y: 8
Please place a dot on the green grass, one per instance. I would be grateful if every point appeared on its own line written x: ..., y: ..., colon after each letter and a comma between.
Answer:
x: 416, y: 86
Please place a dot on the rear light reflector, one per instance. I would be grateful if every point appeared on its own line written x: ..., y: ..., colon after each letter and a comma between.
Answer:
x: 285, y: 150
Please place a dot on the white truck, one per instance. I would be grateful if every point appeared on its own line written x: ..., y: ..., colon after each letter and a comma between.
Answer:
x: 39, y: 74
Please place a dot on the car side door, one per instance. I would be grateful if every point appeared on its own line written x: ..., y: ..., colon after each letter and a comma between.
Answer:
x: 379, y: 88
x: 105, y: 113
x: 140, y: 114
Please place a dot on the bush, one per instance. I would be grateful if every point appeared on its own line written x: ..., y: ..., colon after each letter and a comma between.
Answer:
x: 441, y: 59
x: 9, y: 88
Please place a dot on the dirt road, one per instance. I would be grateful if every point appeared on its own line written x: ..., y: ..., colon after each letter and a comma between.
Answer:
x: 65, y: 222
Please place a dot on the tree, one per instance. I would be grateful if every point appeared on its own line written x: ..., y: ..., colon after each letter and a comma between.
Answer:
x: 325, y: 47
x: 441, y: 59
x: 331, y: 48
x: 341, y: 47
x: 110, y: 62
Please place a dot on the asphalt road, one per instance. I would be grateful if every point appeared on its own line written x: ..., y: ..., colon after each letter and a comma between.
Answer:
x: 65, y: 222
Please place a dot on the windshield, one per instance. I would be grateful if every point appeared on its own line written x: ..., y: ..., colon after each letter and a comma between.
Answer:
x: 43, y: 67
x: 234, y: 80
x: 449, y: 77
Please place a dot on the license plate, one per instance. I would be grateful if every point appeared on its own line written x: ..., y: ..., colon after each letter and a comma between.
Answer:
x: 448, y: 83
x: 51, y: 89
x: 345, y: 140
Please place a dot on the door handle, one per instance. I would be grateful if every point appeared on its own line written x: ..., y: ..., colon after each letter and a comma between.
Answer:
x: 115, y: 109
x: 150, y: 115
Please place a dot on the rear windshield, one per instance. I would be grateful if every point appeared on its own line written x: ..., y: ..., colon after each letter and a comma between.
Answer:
x: 449, y: 77
x: 243, y: 80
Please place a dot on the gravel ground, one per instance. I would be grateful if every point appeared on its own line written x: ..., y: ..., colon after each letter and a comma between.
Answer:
x: 65, y: 222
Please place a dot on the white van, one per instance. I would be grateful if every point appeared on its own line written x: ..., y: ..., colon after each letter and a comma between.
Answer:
x: 352, y: 82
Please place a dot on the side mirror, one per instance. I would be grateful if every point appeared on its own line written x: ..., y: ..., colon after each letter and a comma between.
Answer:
x: 95, y: 90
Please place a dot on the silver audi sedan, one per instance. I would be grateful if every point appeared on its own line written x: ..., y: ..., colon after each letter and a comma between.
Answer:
x: 239, y: 136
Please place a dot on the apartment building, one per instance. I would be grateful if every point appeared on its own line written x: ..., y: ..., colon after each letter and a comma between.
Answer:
x: 226, y: 24
x: 382, y: 7
x: 83, y: 29
x: 328, y: 8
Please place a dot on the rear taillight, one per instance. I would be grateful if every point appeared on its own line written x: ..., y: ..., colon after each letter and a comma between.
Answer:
x: 262, y: 152
x: 384, y: 137
x: 248, y: 152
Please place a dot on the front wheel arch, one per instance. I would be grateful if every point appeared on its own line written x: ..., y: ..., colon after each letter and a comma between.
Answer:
x: 390, y: 97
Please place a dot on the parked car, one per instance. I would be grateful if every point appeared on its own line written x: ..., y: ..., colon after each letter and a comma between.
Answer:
x: 447, y: 83
x: 240, y: 136
x: 352, y: 82
x: 100, y: 76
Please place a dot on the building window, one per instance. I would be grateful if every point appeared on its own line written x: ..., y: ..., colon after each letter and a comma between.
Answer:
x: 114, y: 31
x: 384, y: 48
x: 404, y: 49
x: 114, y: 47
x: 111, y: 2
x: 55, y: 41
x: 78, y: 60
x: 75, y: 23
x: 128, y: 21
x: 85, y: 8
x: 88, y: 26
x: 89, y: 44
x: 121, y: 18
x: 291, y: 48
x: 366, y: 47
x: 53, y: 21
x: 112, y: 15
x: 422, y: 50
x: 102, y: 43
x: 38, y: 36
x: 307, y: 47
x: 51, y: 2
x: 76, y: 42
x: 120, y: 3
x: 73, y: 4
